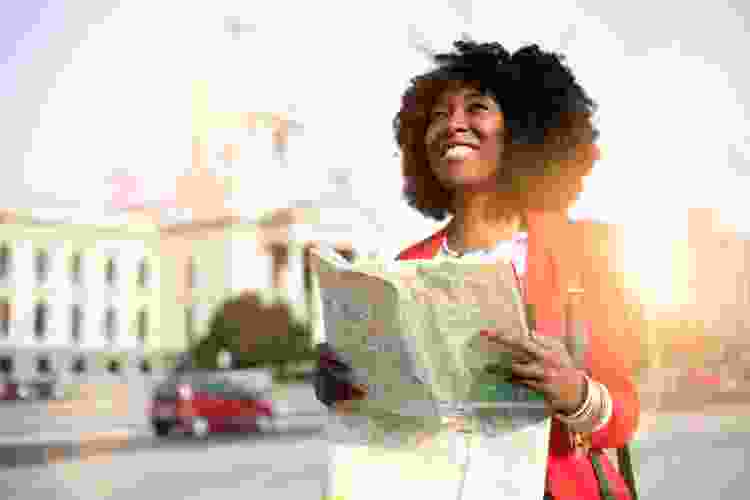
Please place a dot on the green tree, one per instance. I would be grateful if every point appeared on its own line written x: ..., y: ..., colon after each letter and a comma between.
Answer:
x: 256, y: 335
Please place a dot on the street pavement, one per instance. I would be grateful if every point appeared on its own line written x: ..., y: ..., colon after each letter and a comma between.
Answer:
x: 681, y: 463
x: 113, y: 405
x: 676, y: 454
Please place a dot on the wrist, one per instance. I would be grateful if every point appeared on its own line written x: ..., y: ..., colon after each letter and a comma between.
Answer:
x: 595, y: 412
x: 583, y: 399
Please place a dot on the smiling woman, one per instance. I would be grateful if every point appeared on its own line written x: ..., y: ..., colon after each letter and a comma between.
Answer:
x: 496, y: 140
x: 529, y: 103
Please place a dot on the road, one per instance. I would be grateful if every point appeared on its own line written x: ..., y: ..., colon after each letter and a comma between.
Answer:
x: 679, y: 463
x: 226, y: 467
x: 130, y: 411
x: 118, y: 404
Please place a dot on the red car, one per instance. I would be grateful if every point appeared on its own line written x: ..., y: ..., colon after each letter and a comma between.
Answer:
x: 11, y: 390
x: 198, y: 403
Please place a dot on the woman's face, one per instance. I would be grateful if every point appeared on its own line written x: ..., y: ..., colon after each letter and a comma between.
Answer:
x: 464, y: 139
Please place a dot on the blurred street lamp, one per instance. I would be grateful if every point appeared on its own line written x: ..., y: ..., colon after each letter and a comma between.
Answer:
x: 234, y: 25
x: 418, y: 42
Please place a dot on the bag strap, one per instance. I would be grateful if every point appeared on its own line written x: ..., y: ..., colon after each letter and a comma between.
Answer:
x: 625, y: 465
x: 604, y: 490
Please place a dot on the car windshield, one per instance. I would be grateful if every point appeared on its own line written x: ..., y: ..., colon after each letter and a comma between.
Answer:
x: 212, y: 382
x: 198, y: 381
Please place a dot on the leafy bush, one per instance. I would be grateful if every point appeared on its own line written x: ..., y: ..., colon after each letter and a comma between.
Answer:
x: 257, y: 335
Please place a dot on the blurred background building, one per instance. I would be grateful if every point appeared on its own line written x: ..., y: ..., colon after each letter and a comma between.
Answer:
x: 675, y: 305
x: 80, y: 299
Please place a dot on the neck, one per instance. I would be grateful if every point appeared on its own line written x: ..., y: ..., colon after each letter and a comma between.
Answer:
x: 474, y: 227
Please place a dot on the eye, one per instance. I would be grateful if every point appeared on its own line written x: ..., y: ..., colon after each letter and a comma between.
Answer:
x: 438, y: 114
x: 478, y: 105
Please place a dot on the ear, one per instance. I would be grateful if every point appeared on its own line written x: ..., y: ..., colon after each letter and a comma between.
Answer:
x: 588, y: 153
x: 524, y: 225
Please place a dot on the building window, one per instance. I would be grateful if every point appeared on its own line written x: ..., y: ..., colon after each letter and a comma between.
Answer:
x: 143, y: 273
x: 190, y: 273
x: 142, y: 326
x: 6, y: 365
x: 113, y: 366
x: 4, y: 261
x: 41, y: 266
x: 110, y: 324
x: 190, y: 324
x: 76, y: 268
x: 43, y: 365
x: 79, y: 366
x: 4, y: 318
x: 76, y: 320
x: 111, y: 272
x: 41, y: 317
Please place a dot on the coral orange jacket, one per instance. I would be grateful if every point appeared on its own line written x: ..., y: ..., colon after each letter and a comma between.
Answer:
x: 569, y: 475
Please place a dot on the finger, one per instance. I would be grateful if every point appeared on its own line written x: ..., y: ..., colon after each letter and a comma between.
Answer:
x: 522, y: 345
x: 501, y: 338
x: 363, y: 389
x: 530, y: 371
x: 494, y: 345
x: 549, y: 342
x: 343, y: 407
x: 556, y: 346
x: 542, y: 345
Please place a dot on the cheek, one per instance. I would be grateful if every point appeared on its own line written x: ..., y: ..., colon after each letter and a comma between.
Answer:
x: 432, y: 133
x: 494, y: 137
x: 492, y: 151
x: 495, y: 148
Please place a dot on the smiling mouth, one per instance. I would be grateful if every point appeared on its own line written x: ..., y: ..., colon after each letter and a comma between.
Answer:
x: 457, y: 152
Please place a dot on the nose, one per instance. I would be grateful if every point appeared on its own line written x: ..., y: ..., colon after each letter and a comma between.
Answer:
x: 457, y: 122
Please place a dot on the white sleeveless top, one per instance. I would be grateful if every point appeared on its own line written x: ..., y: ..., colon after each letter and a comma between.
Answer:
x: 514, y: 250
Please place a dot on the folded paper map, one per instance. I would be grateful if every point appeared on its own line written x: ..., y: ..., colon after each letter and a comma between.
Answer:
x: 440, y: 418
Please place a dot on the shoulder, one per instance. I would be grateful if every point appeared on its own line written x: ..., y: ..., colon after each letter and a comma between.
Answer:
x: 425, y: 249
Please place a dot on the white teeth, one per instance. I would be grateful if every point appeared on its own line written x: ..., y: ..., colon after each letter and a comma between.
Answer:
x: 457, y: 152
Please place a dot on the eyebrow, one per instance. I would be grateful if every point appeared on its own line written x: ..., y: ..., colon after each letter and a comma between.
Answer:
x: 470, y: 95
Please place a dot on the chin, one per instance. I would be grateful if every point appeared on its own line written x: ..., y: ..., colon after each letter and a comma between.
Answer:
x: 468, y: 180
x: 464, y: 173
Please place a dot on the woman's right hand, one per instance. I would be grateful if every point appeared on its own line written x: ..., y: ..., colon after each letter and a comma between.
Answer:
x: 333, y: 380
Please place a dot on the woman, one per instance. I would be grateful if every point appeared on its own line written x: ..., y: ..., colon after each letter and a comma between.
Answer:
x: 498, y: 142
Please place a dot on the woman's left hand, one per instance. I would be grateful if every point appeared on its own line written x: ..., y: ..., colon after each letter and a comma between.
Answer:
x: 544, y: 365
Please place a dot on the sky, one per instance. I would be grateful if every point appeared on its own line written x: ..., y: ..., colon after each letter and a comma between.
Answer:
x: 95, y: 89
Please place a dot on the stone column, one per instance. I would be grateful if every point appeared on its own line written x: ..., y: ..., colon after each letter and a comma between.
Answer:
x: 280, y: 261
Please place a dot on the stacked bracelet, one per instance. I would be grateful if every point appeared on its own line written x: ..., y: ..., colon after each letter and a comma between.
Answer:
x: 606, y: 408
x: 595, y: 411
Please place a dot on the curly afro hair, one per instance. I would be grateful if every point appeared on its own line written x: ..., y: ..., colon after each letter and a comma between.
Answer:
x: 549, y: 135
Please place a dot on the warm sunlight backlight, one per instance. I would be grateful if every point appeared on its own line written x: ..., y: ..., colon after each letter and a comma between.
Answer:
x: 655, y: 263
